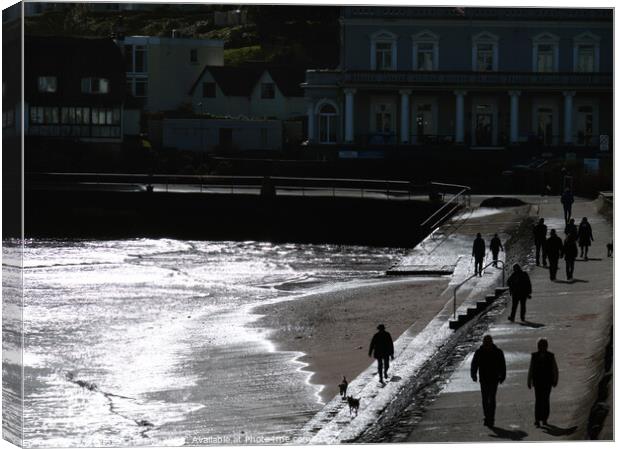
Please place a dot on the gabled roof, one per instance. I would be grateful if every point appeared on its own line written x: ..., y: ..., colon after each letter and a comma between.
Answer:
x: 239, y: 81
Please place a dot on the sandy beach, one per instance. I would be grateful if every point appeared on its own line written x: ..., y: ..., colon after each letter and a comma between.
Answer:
x: 334, y: 329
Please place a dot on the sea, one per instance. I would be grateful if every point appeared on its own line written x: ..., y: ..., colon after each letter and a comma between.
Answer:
x: 149, y: 342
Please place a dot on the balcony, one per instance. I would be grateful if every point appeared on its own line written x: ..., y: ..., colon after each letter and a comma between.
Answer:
x: 479, y: 79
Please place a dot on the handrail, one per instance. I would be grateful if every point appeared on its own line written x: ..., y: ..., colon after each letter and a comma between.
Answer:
x: 456, y: 197
x: 473, y: 276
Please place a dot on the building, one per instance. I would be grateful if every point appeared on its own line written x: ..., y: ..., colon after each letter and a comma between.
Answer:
x: 254, y: 91
x: 473, y: 77
x: 74, y: 89
x: 160, y: 71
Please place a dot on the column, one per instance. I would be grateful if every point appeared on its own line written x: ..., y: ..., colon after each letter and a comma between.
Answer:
x: 311, y: 135
x: 348, y: 115
x: 459, y: 128
x: 404, y: 115
x: 568, y: 116
x: 514, y: 115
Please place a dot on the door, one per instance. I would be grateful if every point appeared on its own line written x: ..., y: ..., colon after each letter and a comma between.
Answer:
x: 424, y: 123
x: 545, y: 126
x: 585, y: 125
x: 484, y: 129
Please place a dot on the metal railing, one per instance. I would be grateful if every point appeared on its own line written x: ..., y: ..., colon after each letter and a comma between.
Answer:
x: 448, y: 207
x: 473, y: 276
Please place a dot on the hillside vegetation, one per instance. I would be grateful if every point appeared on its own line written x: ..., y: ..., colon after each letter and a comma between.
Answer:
x: 301, y: 35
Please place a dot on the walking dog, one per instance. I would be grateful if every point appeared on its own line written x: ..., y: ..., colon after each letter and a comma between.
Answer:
x: 354, y: 404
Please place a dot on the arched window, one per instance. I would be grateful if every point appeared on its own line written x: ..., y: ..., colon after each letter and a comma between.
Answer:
x: 383, y: 51
x: 425, y: 51
x: 328, y: 123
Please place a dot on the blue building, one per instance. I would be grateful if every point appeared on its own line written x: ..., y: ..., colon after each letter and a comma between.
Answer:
x: 473, y: 77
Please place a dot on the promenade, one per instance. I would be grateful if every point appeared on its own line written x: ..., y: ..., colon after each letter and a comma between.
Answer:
x: 576, y: 319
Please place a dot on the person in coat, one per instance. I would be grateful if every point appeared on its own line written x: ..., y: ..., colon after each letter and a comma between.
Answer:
x: 553, y: 247
x: 569, y: 249
x: 477, y: 253
x: 520, y: 289
x: 542, y: 375
x: 495, y: 246
x: 540, y: 236
x: 382, y: 348
x: 488, y: 365
x: 571, y: 227
x: 584, y: 237
x: 567, y: 200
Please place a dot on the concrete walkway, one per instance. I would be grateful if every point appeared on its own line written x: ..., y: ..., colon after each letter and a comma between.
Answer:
x: 576, y: 319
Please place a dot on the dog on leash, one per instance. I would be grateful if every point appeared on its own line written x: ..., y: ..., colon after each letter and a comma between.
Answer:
x: 343, y: 387
x: 610, y: 249
x: 354, y: 404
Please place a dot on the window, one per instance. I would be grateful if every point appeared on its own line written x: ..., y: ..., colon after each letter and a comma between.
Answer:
x: 193, y: 55
x: 8, y: 118
x: 135, y: 59
x: 545, y: 53
x: 585, y: 58
x: 586, y: 53
x: 267, y: 91
x: 95, y: 86
x: 208, y: 90
x: 383, y: 51
x: 328, y: 123
x: 485, y: 52
x: 44, y: 115
x: 47, y: 84
x: 140, y: 87
x: 425, y: 51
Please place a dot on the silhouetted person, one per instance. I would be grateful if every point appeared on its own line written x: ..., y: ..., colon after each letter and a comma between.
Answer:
x: 543, y: 375
x: 495, y: 246
x: 477, y: 252
x: 571, y: 227
x: 553, y: 247
x: 540, y: 236
x: 584, y: 236
x: 382, y: 347
x: 567, y: 200
x: 610, y: 249
x: 570, y: 254
x: 342, y: 387
x: 488, y: 364
x: 520, y: 290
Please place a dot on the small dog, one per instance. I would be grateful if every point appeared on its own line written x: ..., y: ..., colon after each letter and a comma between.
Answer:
x: 354, y: 404
x: 610, y: 249
x: 343, y: 387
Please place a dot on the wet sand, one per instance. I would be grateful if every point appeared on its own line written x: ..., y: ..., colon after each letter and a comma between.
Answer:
x: 334, y: 329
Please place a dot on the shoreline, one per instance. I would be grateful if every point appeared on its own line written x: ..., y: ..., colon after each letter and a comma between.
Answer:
x: 332, y: 330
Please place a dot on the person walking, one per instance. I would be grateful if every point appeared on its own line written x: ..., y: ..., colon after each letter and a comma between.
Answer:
x: 382, y: 348
x: 520, y: 289
x: 478, y: 252
x: 540, y: 236
x: 495, y: 246
x: 571, y: 227
x: 584, y: 236
x: 569, y: 249
x: 553, y: 247
x: 489, y: 365
x: 543, y: 375
x: 567, y: 200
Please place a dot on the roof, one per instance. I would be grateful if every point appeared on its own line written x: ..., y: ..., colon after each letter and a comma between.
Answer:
x: 70, y: 59
x: 240, y: 80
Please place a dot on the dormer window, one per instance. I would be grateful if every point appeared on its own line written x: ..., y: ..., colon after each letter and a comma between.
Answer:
x: 545, y: 53
x: 95, y: 86
x: 485, y: 52
x: 47, y: 84
x: 586, y: 53
x: 425, y: 51
x: 383, y: 51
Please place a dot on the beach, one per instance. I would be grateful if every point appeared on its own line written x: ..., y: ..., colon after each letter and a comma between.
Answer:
x: 334, y: 329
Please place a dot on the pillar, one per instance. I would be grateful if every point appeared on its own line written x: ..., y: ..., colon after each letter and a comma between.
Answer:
x: 568, y: 116
x: 311, y: 116
x: 514, y: 115
x: 404, y: 115
x: 459, y: 128
x: 348, y: 115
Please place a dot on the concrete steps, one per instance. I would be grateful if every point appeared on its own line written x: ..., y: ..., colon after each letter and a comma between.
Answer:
x: 480, y: 307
